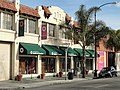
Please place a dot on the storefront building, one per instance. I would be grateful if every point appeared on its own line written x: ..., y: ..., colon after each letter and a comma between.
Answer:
x: 106, y: 56
x: 32, y: 42
x: 7, y: 36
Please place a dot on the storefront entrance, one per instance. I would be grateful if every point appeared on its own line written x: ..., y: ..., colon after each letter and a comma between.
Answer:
x: 111, y: 59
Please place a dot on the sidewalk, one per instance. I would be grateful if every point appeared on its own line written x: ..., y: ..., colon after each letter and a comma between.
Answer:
x: 29, y: 83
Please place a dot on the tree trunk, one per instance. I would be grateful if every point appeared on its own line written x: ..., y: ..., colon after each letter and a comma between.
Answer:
x: 83, y: 62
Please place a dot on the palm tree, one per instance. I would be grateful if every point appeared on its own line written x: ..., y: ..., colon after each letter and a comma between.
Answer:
x: 85, y: 35
x: 84, y: 18
x: 113, y: 41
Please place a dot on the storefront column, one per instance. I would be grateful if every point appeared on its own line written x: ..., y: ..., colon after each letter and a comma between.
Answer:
x: 39, y: 64
x: 15, y: 60
x: 57, y: 65
x: 106, y: 58
x: 105, y: 61
x: 15, y: 45
x: 72, y: 63
x: 117, y: 61
x: 93, y: 63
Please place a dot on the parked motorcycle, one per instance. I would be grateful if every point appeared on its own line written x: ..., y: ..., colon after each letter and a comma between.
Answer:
x: 107, y: 72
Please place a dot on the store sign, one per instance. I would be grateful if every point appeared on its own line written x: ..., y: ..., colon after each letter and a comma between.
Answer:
x: 35, y: 52
x: 100, y: 60
x: 21, y: 50
x: 54, y: 53
x: 71, y: 54
x: 44, y: 31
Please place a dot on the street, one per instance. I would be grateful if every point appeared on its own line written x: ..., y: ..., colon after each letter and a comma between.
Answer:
x: 93, y: 84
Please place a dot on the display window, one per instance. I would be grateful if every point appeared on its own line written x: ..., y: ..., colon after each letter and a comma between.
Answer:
x: 27, y: 65
x: 48, y: 65
x: 62, y: 64
x: 89, y: 64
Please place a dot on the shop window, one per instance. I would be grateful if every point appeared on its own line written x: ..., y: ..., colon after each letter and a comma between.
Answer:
x: 89, y: 64
x: 68, y: 63
x: 49, y: 65
x: 62, y: 64
x: 27, y: 65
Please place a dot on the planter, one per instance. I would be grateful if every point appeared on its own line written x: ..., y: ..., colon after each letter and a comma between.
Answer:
x: 60, y: 74
x: 42, y: 76
x: 38, y: 76
x: 18, y: 77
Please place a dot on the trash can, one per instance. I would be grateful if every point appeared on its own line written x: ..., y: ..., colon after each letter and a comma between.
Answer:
x: 70, y: 75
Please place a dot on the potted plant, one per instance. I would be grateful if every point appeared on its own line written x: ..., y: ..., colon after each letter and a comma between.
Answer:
x: 43, y: 76
x: 18, y: 77
x: 38, y: 76
x: 60, y: 74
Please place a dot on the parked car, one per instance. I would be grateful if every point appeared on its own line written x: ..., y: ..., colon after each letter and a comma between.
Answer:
x: 107, y: 72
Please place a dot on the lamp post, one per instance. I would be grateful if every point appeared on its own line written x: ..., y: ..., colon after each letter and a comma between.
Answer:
x: 66, y: 50
x: 66, y: 63
x: 95, y: 73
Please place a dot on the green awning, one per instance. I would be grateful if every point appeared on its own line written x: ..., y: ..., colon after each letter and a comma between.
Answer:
x: 70, y: 51
x: 60, y: 52
x: 92, y: 53
x: 26, y: 48
x: 52, y: 50
x: 81, y: 52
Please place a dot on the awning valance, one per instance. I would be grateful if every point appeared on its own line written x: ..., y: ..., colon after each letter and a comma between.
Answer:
x: 52, y: 50
x: 26, y: 48
x: 70, y: 51
x: 92, y: 53
x: 81, y: 52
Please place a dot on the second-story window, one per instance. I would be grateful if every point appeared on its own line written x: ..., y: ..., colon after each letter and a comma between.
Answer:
x: 32, y: 26
x: 52, y: 30
x: 7, y: 21
x: 62, y: 33
x: 25, y: 23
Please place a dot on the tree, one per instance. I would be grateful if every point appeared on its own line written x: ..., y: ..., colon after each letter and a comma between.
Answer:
x: 85, y: 35
x: 113, y: 41
x: 84, y: 18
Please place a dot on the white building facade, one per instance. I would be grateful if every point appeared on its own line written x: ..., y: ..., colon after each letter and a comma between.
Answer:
x: 32, y: 42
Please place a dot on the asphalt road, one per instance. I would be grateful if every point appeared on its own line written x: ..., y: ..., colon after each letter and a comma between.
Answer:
x: 95, y: 84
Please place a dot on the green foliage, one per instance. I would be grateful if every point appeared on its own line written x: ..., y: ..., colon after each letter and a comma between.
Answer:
x: 85, y: 34
x: 114, y: 40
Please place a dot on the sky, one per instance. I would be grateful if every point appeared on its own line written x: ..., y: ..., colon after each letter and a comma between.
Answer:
x: 110, y: 14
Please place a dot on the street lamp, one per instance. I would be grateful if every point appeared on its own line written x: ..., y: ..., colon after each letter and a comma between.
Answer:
x: 95, y: 73
x: 66, y: 63
x: 66, y: 50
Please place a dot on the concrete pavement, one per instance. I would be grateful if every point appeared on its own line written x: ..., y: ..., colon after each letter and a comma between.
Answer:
x: 29, y: 83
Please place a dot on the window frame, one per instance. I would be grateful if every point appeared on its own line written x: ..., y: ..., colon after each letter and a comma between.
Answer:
x: 35, y: 27
x: 61, y: 33
x: 52, y: 30
x: 2, y: 20
x: 26, y: 27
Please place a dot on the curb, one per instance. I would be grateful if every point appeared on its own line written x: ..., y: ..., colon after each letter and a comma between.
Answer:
x: 41, y: 84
